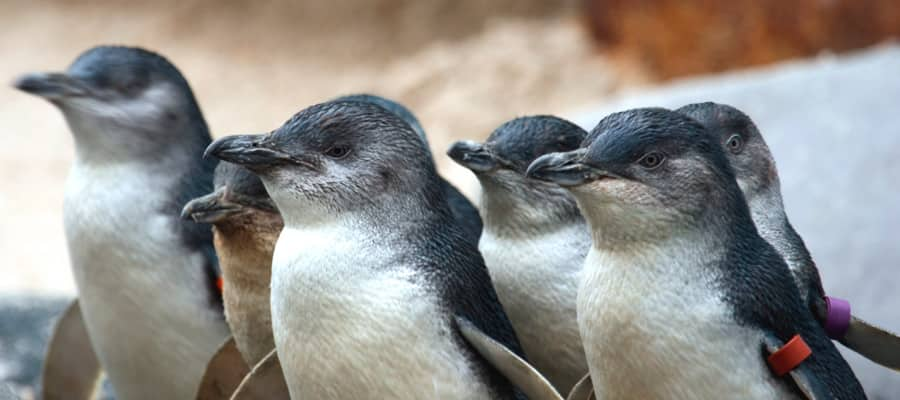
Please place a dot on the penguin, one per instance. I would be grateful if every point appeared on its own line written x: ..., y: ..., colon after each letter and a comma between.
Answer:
x: 680, y: 296
x: 371, y: 274
x: 145, y: 278
x: 534, y: 240
x: 757, y: 176
x: 464, y: 212
x: 246, y: 225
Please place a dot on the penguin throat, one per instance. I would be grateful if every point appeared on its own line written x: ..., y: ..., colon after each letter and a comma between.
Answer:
x: 524, y: 209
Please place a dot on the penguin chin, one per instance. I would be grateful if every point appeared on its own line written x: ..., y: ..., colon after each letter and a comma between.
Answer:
x: 612, y: 195
x: 608, y: 188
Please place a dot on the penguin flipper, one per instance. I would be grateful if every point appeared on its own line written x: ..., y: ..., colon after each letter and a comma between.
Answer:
x: 264, y: 382
x: 583, y: 390
x: 874, y: 343
x: 518, y: 371
x: 224, y: 372
x: 71, y: 369
x: 810, y: 385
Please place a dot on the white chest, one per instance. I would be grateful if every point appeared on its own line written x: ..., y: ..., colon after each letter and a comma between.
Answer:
x: 654, y: 327
x: 144, y: 300
x: 536, y: 279
x: 348, y: 324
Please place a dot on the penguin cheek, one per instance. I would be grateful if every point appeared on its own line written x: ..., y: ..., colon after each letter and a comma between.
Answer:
x: 609, y: 189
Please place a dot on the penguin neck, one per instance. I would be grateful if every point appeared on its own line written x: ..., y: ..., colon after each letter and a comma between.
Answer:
x: 770, y: 218
x: 618, y: 227
x: 105, y: 141
x: 517, y: 209
x: 385, y: 215
x: 245, y: 245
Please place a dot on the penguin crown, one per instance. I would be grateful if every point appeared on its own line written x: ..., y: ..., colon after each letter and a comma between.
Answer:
x: 516, y: 143
x: 398, y: 109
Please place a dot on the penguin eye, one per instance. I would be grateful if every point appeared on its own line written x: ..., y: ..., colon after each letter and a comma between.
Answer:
x: 651, y: 160
x: 735, y: 144
x: 337, y: 152
x: 132, y: 87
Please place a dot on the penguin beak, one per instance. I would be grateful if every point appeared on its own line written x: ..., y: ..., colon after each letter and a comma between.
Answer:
x: 253, y: 152
x: 211, y: 208
x: 564, y: 169
x: 52, y: 86
x: 473, y: 156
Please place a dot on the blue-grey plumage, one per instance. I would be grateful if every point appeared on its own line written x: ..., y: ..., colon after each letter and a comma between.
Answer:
x: 145, y: 277
x: 679, y: 291
x: 534, y: 240
x: 757, y: 177
x: 463, y: 210
x: 371, y: 269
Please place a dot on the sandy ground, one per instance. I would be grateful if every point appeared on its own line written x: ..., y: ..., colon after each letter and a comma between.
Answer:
x: 463, y: 66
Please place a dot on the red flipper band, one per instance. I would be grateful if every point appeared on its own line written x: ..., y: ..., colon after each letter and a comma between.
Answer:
x: 220, y: 283
x: 789, y: 356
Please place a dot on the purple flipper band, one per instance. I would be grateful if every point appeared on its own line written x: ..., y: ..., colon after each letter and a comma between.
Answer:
x: 838, y: 319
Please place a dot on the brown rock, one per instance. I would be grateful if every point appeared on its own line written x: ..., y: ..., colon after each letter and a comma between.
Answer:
x: 682, y: 37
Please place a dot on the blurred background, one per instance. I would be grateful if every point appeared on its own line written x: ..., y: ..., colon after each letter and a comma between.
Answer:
x: 820, y: 77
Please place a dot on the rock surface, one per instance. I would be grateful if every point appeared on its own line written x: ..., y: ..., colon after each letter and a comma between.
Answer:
x: 25, y: 326
x: 833, y: 125
x: 689, y: 37
x: 26, y: 323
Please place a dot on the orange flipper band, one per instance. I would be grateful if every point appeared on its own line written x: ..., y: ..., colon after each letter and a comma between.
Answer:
x: 789, y: 356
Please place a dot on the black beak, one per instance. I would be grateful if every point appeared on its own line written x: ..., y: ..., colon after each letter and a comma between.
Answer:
x: 564, y: 169
x: 251, y: 151
x: 473, y: 156
x: 52, y: 86
x: 211, y: 208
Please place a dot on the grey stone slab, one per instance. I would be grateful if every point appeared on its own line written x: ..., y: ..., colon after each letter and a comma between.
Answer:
x: 833, y: 125
x: 25, y: 326
x: 26, y: 323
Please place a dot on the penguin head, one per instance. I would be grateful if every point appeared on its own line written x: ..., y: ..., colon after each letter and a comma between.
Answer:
x: 500, y: 164
x: 508, y: 151
x: 239, y: 195
x: 335, y: 157
x: 647, y: 169
x: 399, y: 109
x: 744, y: 146
x: 109, y: 90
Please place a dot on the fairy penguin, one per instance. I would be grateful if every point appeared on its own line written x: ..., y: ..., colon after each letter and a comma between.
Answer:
x: 679, y: 293
x: 145, y: 278
x: 246, y: 225
x: 534, y: 240
x: 370, y: 269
